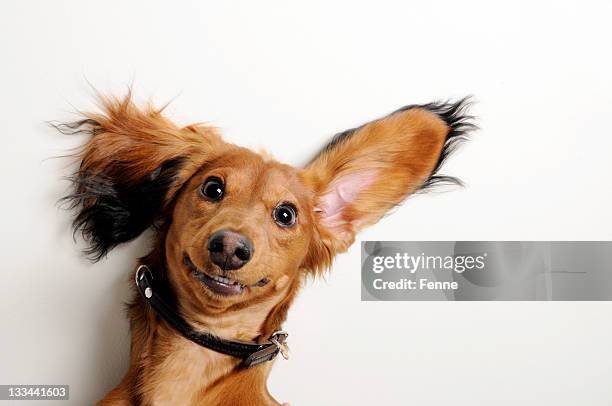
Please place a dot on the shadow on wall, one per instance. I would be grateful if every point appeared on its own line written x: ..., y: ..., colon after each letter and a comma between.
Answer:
x: 109, y: 354
x: 110, y: 358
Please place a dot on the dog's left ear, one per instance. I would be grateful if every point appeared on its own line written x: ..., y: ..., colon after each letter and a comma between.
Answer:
x: 364, y: 172
x: 132, y: 166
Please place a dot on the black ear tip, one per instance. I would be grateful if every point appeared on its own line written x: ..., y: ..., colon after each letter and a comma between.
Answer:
x: 454, y: 113
x: 460, y: 123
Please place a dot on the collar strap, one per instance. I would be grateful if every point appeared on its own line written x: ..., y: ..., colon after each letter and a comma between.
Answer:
x: 251, y: 354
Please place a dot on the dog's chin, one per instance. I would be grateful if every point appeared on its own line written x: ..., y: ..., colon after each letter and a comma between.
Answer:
x: 218, y: 284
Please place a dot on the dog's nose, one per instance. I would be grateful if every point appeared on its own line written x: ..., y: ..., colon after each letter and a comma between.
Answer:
x: 229, y: 250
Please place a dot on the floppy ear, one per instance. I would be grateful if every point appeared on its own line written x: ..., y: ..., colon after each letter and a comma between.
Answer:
x: 364, y: 172
x: 132, y: 166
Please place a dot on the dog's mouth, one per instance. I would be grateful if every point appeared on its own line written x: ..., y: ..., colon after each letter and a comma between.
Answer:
x: 220, y: 284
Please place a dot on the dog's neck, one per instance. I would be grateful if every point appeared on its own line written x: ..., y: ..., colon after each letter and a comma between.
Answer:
x: 187, y: 373
x: 246, y: 324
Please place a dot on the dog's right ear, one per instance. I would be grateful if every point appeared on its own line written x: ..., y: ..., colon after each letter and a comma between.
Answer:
x: 130, y: 169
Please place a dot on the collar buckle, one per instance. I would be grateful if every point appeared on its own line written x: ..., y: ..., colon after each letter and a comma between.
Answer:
x: 279, y: 339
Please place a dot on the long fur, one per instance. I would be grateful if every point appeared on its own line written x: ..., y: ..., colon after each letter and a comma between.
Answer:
x: 132, y: 165
x: 114, y: 212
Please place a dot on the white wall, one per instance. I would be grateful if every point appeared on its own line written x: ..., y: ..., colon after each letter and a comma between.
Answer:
x: 286, y: 77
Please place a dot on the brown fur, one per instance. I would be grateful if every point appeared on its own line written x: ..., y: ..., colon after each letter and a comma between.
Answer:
x: 377, y: 167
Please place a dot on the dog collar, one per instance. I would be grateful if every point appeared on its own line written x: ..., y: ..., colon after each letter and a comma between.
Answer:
x: 251, y: 354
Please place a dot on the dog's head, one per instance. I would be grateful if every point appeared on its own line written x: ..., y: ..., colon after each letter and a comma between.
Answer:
x: 237, y: 228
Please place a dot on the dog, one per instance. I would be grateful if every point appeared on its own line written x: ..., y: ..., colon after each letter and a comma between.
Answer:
x: 236, y: 233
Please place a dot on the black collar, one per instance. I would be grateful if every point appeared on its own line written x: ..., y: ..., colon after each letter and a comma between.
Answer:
x: 251, y: 354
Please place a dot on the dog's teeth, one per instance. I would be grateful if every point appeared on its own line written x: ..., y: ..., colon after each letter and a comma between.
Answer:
x: 223, y: 280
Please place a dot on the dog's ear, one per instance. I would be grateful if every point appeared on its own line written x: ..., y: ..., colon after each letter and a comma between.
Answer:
x: 130, y: 169
x: 364, y: 172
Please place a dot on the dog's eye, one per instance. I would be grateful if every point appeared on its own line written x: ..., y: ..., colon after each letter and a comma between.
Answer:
x: 213, y: 189
x: 285, y: 215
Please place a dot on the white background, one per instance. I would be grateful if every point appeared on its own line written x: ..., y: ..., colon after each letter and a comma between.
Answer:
x: 286, y: 77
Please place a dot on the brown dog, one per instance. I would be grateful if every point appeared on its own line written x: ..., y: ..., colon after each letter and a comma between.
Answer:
x: 236, y: 234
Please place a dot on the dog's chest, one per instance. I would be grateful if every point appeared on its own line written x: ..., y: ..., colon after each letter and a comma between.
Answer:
x: 183, y: 373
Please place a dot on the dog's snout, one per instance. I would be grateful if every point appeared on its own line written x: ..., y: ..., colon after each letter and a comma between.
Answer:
x: 229, y: 250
